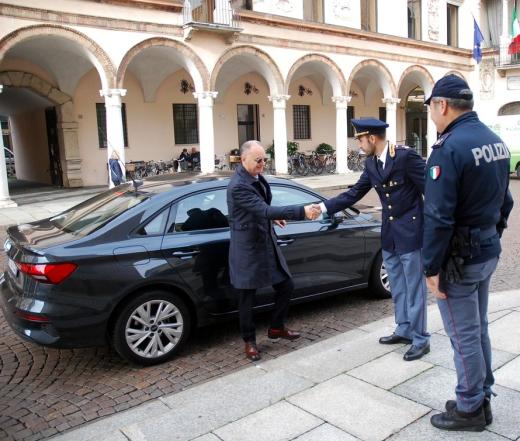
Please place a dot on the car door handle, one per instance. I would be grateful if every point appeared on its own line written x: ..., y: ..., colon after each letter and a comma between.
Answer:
x: 284, y: 243
x: 185, y: 254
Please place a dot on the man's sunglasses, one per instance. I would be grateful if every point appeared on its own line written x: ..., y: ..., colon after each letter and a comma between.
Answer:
x: 259, y: 160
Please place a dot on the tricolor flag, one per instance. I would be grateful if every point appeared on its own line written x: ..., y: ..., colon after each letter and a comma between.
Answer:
x: 514, y: 46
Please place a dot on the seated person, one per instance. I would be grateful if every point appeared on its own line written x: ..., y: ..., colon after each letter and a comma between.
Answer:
x: 184, y: 159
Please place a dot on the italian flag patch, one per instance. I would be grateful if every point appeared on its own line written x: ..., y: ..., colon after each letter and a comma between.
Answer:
x: 435, y: 172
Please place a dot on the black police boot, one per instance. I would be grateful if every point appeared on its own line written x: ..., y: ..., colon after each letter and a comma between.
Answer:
x: 454, y: 419
x: 488, y: 415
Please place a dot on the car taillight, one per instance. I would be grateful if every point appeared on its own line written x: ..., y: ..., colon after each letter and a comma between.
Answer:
x: 35, y: 318
x: 52, y: 273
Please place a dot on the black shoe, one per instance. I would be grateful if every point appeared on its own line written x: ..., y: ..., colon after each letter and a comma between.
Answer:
x: 456, y: 420
x: 414, y: 353
x: 394, y: 339
x: 488, y: 415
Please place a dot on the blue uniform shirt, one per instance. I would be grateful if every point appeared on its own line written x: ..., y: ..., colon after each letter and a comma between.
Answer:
x: 467, y: 185
x: 400, y: 186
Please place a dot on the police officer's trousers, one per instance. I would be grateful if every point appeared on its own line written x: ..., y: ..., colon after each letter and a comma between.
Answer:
x: 464, y: 314
x: 408, y: 286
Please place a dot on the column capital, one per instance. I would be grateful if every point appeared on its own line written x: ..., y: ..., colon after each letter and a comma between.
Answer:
x: 205, y: 94
x: 341, y: 101
x: 112, y: 92
x: 391, y: 100
x: 279, y: 100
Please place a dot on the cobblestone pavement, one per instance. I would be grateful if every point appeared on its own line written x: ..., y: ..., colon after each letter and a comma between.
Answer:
x: 45, y: 391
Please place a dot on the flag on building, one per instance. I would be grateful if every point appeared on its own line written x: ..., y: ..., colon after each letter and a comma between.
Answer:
x: 514, y: 46
x: 477, y: 39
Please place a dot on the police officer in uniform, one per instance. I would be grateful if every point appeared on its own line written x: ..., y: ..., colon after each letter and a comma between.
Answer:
x: 467, y: 203
x: 397, y: 175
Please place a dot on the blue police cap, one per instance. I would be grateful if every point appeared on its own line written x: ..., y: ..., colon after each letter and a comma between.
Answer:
x: 369, y: 126
x: 451, y: 86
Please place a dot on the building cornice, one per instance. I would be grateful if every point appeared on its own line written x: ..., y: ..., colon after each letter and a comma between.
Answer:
x: 348, y: 50
x: 356, y: 34
x: 68, y: 18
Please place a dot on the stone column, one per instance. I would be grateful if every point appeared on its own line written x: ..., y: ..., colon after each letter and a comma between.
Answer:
x: 114, y: 119
x: 341, y: 133
x: 280, y: 132
x: 391, y: 118
x: 206, y: 130
x: 432, y: 132
x: 5, y: 200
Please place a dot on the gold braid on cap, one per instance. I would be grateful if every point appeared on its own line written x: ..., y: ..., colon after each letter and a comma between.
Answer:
x: 358, y: 134
x: 391, y: 150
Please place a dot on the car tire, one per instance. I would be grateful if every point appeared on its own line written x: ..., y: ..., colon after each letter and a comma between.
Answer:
x: 378, y: 285
x: 518, y: 171
x: 153, y: 344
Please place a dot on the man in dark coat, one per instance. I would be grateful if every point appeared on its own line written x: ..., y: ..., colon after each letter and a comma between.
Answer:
x: 396, y: 173
x: 255, y: 260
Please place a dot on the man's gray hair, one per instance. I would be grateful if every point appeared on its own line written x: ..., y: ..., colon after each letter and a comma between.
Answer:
x: 244, y: 148
x: 457, y: 103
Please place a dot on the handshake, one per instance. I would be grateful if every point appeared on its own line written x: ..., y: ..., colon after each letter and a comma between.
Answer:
x: 312, y: 212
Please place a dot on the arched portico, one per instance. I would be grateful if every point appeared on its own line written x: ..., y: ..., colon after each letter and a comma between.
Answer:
x: 244, y: 60
x: 376, y: 84
x: 415, y: 128
x: 331, y: 87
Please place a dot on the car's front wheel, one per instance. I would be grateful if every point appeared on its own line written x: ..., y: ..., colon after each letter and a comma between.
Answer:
x: 379, y: 285
x: 151, y: 328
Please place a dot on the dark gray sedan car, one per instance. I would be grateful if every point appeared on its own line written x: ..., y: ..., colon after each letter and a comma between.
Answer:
x: 139, y: 266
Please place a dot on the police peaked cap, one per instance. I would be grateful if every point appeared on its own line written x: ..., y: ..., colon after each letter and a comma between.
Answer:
x: 451, y: 86
x: 369, y: 126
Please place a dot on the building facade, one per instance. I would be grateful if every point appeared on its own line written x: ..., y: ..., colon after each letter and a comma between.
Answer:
x: 149, y: 78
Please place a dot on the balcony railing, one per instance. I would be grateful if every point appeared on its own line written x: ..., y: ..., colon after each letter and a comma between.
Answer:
x: 503, y: 59
x: 213, y: 12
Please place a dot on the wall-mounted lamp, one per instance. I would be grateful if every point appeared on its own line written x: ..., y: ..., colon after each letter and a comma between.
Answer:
x: 302, y: 90
x: 250, y: 88
x: 186, y: 87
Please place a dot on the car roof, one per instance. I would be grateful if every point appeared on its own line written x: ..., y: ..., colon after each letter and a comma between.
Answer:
x: 180, y: 185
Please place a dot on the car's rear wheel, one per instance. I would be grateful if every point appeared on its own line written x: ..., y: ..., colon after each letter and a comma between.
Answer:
x: 379, y: 285
x: 151, y: 328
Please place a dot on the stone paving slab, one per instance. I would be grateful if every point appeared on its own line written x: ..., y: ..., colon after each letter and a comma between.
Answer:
x: 109, y: 426
x: 324, y: 364
x: 506, y: 411
x: 505, y: 333
x: 207, y: 437
x: 389, y: 370
x: 362, y: 410
x: 326, y: 432
x: 423, y: 430
x: 279, y: 422
x: 431, y: 388
x: 441, y: 353
x: 211, y: 405
x: 509, y: 375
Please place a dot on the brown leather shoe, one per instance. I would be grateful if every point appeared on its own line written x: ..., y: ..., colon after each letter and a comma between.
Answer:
x: 286, y: 333
x: 252, y: 351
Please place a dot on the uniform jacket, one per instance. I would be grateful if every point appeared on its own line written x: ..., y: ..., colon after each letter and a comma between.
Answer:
x: 253, y: 252
x: 400, y: 186
x: 467, y: 185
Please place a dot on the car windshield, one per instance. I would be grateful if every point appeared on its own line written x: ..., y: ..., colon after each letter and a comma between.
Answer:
x: 90, y: 215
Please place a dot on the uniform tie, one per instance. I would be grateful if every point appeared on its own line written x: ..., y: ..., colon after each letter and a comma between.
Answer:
x: 379, y: 166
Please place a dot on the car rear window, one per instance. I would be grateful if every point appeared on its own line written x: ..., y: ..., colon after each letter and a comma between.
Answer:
x: 93, y: 213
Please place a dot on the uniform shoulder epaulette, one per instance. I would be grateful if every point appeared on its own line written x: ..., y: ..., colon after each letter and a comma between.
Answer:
x: 392, y: 148
x: 439, y: 143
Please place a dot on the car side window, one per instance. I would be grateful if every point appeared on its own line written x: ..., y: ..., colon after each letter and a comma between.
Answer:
x: 154, y: 226
x: 201, y: 211
x: 292, y: 196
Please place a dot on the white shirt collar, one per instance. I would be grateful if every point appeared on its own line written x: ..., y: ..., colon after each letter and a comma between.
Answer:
x: 382, y: 158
